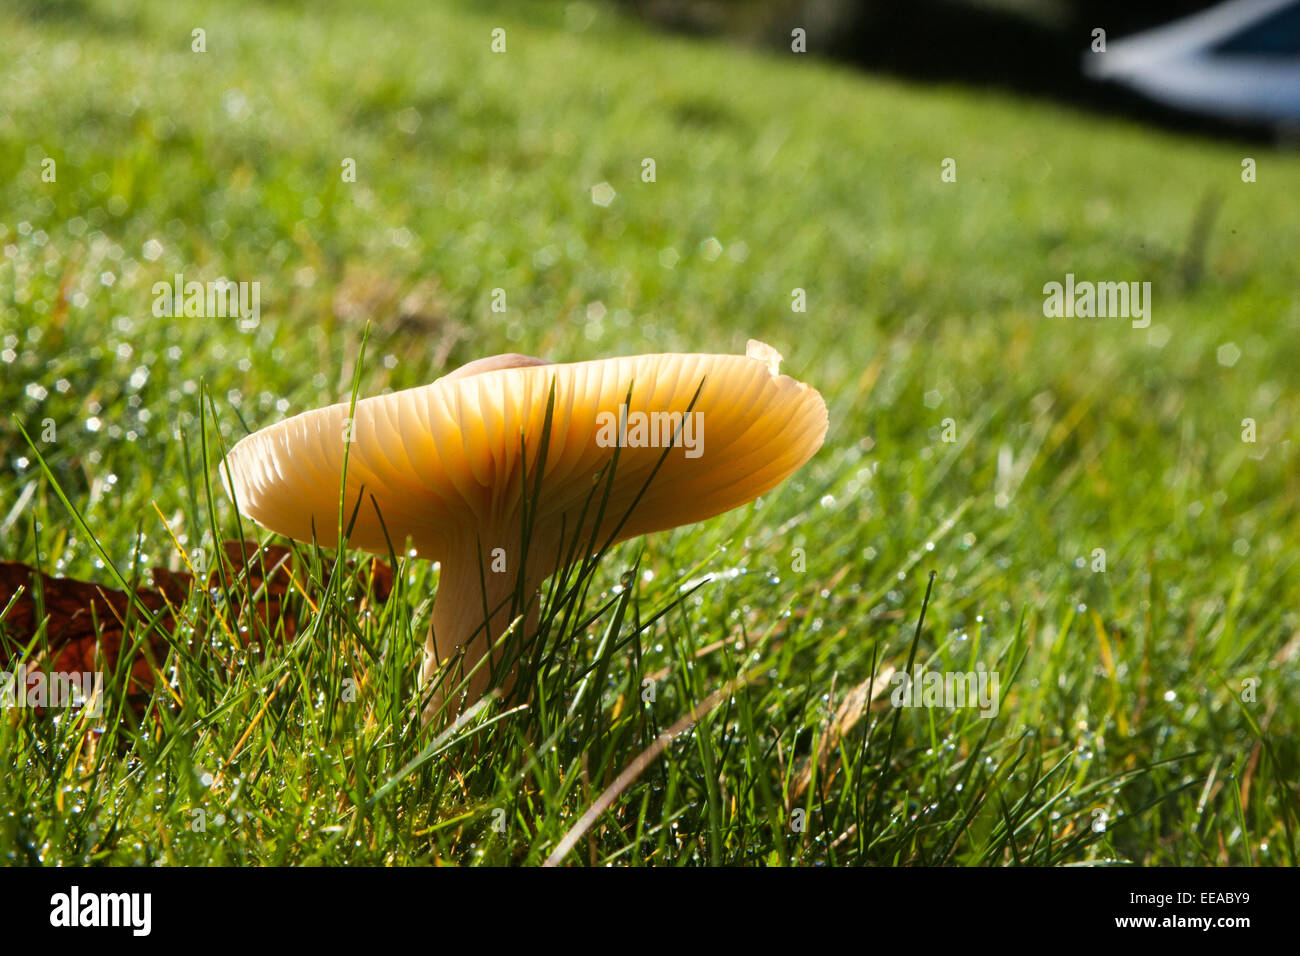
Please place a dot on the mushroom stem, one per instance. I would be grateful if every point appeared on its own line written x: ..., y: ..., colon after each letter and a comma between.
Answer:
x: 474, y: 586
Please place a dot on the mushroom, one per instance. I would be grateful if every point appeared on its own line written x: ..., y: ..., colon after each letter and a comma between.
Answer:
x: 510, y: 466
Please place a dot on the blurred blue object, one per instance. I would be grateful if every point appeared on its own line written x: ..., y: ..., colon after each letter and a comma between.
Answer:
x: 1238, y: 61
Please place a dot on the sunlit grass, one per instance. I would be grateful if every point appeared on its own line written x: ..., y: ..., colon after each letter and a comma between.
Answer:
x: 1122, y: 732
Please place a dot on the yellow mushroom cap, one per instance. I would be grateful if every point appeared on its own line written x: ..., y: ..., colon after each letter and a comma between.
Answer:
x: 444, y: 461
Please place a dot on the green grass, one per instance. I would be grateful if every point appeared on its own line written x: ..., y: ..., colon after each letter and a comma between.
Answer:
x: 1121, y: 691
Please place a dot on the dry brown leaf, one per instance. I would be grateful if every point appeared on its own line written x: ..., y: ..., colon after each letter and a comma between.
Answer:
x: 84, y: 621
x: 851, y: 710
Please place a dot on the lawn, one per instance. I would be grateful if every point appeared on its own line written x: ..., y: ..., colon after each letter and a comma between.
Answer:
x: 1111, y: 512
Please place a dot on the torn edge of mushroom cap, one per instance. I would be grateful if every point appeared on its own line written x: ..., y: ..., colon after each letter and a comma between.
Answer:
x: 764, y: 353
